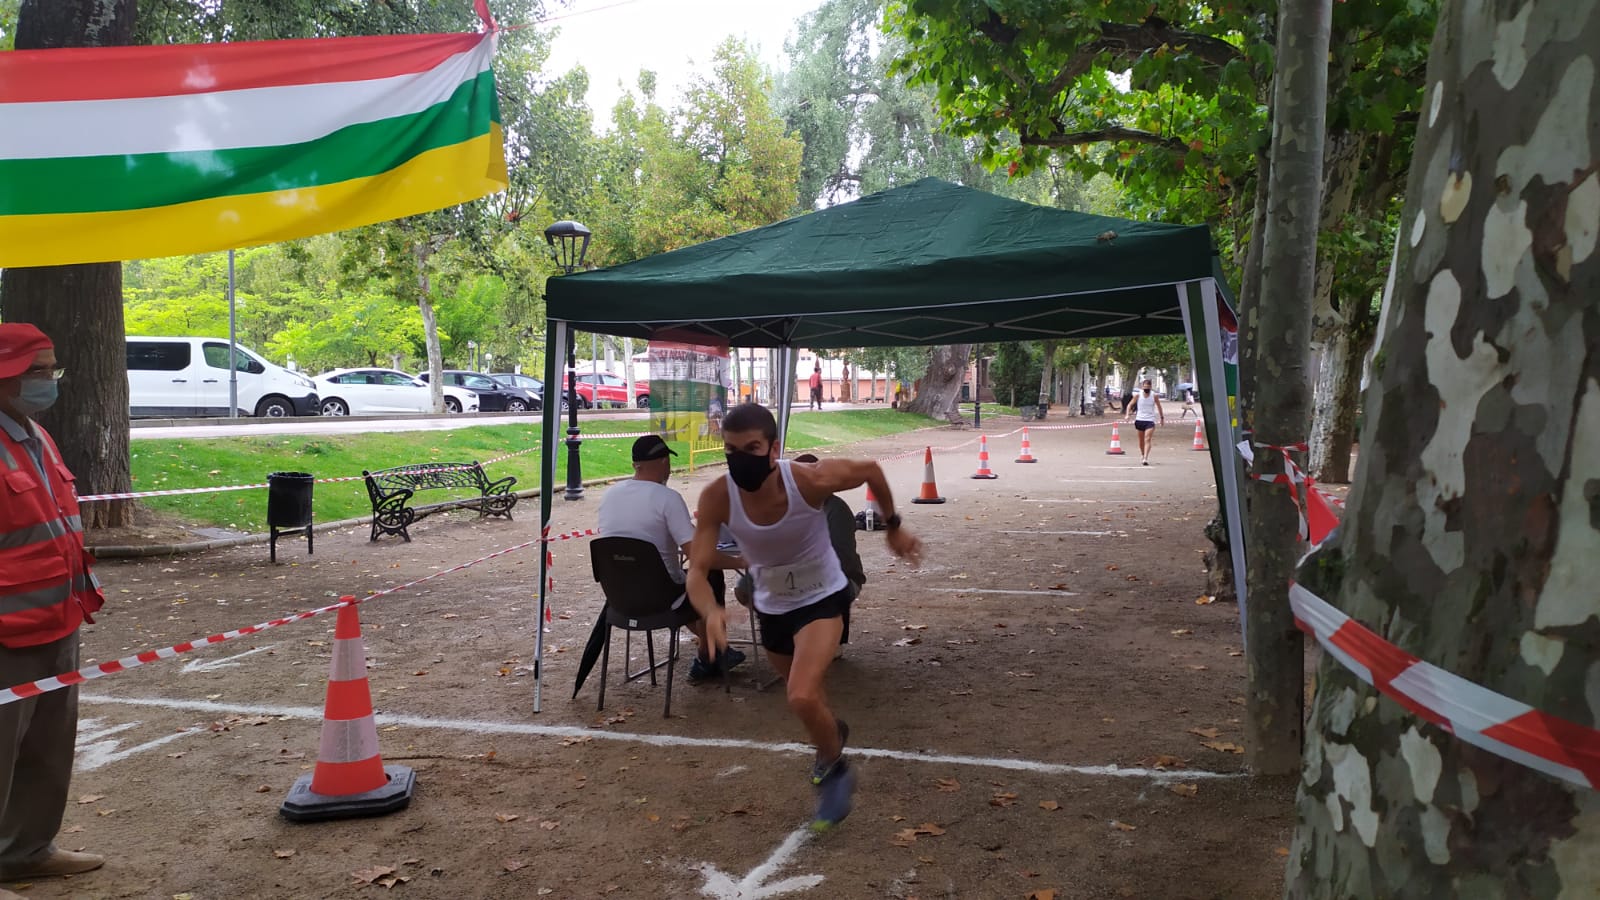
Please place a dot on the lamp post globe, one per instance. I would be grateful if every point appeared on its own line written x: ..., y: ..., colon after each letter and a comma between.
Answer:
x: 569, y: 244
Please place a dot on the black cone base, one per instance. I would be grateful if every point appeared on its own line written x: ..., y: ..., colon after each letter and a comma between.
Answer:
x: 302, y: 805
x: 934, y: 500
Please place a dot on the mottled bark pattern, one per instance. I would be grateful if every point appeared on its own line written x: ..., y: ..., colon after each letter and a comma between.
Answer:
x: 80, y: 307
x: 1275, y: 699
x: 1473, y: 534
x: 941, y: 387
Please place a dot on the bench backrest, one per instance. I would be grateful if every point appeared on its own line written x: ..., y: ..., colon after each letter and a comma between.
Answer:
x: 427, y: 475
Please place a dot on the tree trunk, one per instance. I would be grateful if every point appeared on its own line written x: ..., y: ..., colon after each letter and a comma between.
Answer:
x: 1047, y: 377
x: 1472, y: 535
x: 1250, y: 297
x: 1100, y: 384
x: 430, y: 326
x: 1342, y: 172
x: 1275, y: 700
x: 80, y: 307
x: 627, y: 373
x: 1333, y: 432
x: 941, y: 386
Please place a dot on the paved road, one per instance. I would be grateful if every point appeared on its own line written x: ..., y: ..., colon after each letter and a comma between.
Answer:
x: 220, y: 428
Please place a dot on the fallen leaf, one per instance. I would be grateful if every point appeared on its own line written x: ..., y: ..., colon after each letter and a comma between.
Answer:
x: 1005, y: 799
x: 908, y: 642
x: 1049, y: 804
x: 947, y: 785
x: 738, y: 811
x: 904, y: 837
x: 652, y: 818
x: 263, y: 788
x: 1045, y: 894
x: 550, y: 825
x: 897, y: 818
x: 90, y: 798
x: 511, y: 865
x: 929, y: 828
x: 1282, y: 851
x: 1204, y: 600
x: 283, y: 854
x: 506, y: 817
x: 183, y: 896
x: 1111, y: 568
x: 1180, y: 632
x: 74, y: 829
x: 1123, y: 826
x: 1163, y: 761
x: 1235, y: 652
x: 369, y: 875
x: 1222, y: 746
x: 1199, y: 668
x: 389, y: 881
x: 1184, y: 790
x: 1205, y: 732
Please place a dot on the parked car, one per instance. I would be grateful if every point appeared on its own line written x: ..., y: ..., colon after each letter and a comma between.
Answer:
x: 369, y: 392
x: 188, y: 376
x: 532, y: 385
x: 492, y: 396
x: 604, y: 388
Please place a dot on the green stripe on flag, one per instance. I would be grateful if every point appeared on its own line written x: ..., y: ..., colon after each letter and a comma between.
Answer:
x: 148, y: 180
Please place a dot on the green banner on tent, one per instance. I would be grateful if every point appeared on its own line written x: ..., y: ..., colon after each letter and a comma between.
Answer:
x: 689, y: 393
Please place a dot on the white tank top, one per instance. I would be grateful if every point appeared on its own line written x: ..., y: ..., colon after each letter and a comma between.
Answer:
x: 792, y: 561
x: 1147, y: 406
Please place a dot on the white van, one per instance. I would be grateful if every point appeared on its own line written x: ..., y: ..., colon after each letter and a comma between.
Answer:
x: 179, y: 377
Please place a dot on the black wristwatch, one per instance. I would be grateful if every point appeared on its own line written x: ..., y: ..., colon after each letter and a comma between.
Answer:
x: 892, y: 522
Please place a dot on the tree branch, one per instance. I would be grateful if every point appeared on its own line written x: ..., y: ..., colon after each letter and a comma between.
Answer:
x: 1110, y: 133
x: 1126, y: 43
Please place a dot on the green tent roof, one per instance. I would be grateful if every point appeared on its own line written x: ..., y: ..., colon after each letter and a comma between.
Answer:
x: 927, y: 263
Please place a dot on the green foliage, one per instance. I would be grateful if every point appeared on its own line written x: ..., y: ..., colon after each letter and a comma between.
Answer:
x: 8, y: 23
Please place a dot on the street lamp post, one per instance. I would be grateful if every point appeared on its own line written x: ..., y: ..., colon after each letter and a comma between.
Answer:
x: 569, y: 243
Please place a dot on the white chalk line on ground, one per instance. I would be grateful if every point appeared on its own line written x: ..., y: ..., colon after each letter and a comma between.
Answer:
x: 479, y: 726
x: 1106, y: 481
x: 1000, y: 591
x: 1082, y: 500
x: 754, y: 886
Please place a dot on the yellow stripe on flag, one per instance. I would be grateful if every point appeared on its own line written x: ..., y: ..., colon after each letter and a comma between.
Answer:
x: 432, y: 180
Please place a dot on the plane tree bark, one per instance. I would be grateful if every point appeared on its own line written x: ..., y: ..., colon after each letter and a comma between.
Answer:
x: 1471, y: 535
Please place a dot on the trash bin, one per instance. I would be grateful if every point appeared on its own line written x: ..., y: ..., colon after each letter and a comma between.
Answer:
x: 1029, y: 413
x: 288, y: 507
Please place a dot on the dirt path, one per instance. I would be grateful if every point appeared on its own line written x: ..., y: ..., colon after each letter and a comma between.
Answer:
x: 1009, y: 703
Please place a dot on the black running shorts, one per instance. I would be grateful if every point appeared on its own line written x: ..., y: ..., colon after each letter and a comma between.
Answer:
x: 777, y: 632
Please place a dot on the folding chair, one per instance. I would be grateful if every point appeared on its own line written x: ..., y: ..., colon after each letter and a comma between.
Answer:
x: 640, y: 596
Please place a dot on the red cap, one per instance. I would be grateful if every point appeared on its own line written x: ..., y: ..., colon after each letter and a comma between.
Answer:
x: 20, y: 342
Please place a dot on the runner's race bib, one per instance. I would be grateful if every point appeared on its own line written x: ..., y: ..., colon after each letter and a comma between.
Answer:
x: 787, y: 585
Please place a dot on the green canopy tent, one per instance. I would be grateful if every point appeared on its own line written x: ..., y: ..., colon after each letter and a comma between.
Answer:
x: 927, y: 263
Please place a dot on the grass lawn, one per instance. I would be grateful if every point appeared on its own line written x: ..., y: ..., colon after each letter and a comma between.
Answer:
x: 183, y: 463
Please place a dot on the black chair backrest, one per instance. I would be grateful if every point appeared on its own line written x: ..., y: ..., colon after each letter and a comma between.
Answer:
x: 633, y: 576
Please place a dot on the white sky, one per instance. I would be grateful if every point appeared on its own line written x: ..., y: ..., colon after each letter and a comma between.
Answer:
x: 614, y: 39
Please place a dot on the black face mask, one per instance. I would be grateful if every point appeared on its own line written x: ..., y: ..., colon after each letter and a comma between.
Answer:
x: 749, y: 470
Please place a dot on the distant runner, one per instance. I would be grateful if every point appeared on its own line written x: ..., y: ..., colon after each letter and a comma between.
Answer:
x: 801, y: 592
x: 1146, y: 407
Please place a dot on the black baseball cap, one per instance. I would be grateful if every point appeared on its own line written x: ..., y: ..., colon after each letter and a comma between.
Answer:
x: 649, y: 447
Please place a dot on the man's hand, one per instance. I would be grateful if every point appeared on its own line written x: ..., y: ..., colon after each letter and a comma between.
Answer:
x: 716, y: 634
x: 905, y: 545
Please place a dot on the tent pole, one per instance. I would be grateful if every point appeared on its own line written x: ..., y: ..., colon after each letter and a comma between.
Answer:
x: 788, y: 359
x: 557, y: 336
x: 1198, y: 301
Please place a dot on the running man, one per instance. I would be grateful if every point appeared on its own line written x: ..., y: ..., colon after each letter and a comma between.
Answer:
x: 774, y: 511
x: 1146, y: 409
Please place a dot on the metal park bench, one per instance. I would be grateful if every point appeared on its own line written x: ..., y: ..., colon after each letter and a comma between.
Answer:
x: 392, y: 489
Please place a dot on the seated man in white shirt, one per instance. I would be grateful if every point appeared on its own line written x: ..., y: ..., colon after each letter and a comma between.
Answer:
x: 644, y: 507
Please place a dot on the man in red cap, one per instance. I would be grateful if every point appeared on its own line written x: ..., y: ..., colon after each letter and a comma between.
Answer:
x: 46, y: 591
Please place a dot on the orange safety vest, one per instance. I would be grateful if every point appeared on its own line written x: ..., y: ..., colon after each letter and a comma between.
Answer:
x: 47, y: 587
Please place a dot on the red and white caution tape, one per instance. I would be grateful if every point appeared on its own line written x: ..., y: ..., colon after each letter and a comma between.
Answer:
x: 100, y: 670
x: 1293, y: 476
x: 1494, y: 722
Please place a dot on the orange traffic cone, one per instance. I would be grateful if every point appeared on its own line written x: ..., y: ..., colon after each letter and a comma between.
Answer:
x: 930, y: 489
x: 1116, y: 443
x: 983, y: 459
x: 871, y: 518
x: 1199, y: 437
x: 350, y: 778
x: 1027, y: 449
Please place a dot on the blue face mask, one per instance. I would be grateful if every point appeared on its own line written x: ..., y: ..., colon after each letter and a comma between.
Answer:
x: 36, y: 396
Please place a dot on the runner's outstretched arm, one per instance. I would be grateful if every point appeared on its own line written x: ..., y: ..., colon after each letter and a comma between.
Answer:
x: 703, y: 557
x: 830, y: 476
